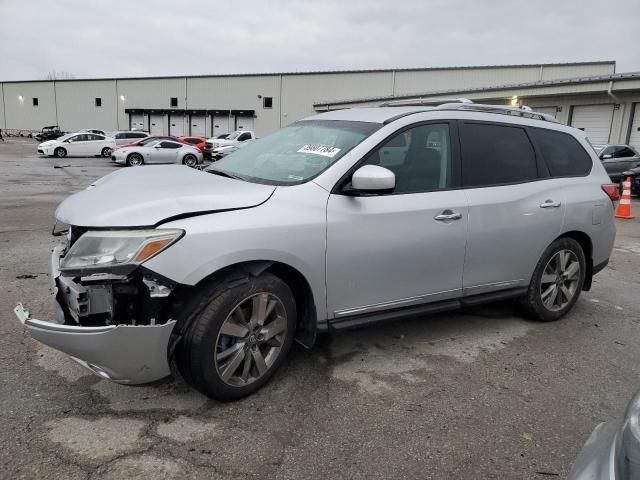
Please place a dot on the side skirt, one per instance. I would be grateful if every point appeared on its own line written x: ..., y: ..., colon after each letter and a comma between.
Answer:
x: 357, y: 321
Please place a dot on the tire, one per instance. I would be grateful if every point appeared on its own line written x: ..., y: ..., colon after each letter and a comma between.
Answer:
x: 190, y: 160
x: 60, y: 152
x: 213, y: 359
x: 106, y: 152
x: 135, y: 160
x: 551, y: 283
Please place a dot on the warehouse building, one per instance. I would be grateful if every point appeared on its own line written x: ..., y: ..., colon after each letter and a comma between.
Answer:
x: 588, y: 95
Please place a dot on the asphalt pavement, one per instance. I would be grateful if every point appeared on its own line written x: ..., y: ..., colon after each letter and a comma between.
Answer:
x: 480, y: 393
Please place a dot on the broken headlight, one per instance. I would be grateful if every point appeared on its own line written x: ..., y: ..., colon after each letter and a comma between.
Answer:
x: 105, y: 249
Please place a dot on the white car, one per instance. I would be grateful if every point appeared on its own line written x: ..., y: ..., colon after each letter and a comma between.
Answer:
x: 159, y: 151
x: 78, y: 144
x: 93, y: 130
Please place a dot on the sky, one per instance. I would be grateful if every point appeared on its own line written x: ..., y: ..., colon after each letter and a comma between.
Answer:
x: 125, y: 38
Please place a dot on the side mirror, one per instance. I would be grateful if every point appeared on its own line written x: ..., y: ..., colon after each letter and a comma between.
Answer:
x: 607, y: 156
x: 373, y: 179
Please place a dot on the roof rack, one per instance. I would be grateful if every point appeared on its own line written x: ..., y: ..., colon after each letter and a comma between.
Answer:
x: 423, y: 102
x: 523, y: 111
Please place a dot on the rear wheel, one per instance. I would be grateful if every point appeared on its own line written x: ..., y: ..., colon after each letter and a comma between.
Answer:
x: 190, y: 160
x: 135, y: 160
x: 106, y: 152
x: 239, y: 340
x: 557, y: 281
x: 60, y: 152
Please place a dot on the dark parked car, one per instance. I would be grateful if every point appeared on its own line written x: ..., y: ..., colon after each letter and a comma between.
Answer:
x: 634, y: 174
x: 49, y: 133
x: 616, y: 159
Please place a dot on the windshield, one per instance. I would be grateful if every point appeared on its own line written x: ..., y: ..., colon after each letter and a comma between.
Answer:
x: 222, y: 135
x: 64, y: 137
x: 296, y: 153
x: 598, y: 148
x: 233, y: 136
x: 147, y: 141
x: 152, y: 143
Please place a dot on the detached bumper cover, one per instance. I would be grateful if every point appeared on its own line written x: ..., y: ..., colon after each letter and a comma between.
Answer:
x: 121, y: 353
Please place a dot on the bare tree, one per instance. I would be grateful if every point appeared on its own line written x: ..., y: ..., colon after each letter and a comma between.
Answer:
x: 59, y: 75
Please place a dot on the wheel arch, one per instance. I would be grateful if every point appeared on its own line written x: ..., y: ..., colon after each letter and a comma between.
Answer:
x: 195, y: 297
x: 587, y: 247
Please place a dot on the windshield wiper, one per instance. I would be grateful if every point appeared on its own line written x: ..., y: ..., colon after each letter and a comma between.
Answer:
x: 222, y: 173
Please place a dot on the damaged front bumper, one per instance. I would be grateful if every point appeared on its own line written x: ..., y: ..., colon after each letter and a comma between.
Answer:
x: 128, y: 354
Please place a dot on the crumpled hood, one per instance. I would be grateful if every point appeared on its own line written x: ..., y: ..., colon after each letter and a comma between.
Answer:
x: 145, y: 196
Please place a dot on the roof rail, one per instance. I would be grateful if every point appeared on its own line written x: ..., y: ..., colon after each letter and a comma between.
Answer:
x: 524, y: 111
x: 423, y: 102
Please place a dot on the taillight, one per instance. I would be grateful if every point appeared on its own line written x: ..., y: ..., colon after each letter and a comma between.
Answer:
x: 611, y: 189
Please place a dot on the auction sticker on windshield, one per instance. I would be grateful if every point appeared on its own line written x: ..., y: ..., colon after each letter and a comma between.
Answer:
x: 323, y: 150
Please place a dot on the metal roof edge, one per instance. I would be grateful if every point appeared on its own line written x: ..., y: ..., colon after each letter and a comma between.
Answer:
x: 316, y: 72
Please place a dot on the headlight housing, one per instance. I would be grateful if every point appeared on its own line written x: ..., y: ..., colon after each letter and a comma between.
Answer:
x: 109, y: 250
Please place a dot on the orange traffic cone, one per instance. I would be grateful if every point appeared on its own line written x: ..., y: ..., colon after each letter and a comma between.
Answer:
x: 624, y: 207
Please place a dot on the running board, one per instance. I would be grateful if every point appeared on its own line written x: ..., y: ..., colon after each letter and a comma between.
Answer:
x: 357, y: 321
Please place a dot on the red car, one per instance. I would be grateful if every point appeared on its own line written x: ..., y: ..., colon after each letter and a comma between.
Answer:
x: 195, y: 141
x: 146, y: 140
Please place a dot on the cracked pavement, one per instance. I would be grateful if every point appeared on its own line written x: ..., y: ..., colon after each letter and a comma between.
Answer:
x: 480, y: 393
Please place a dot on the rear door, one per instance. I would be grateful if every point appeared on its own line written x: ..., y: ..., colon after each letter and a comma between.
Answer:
x: 515, y: 210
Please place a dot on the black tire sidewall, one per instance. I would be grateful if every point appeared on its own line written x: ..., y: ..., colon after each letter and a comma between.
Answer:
x: 106, y: 152
x: 60, y: 150
x: 135, y: 155
x: 533, y: 301
x: 197, y: 353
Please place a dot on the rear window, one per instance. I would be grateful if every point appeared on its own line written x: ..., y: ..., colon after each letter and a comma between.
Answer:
x: 562, y: 153
x: 496, y: 155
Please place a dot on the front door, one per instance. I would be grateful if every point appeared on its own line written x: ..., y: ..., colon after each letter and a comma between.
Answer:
x: 403, y: 248
x: 165, y: 152
x: 515, y: 210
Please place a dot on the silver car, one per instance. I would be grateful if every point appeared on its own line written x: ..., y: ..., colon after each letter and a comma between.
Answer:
x: 128, y: 136
x: 340, y: 220
x: 158, y: 151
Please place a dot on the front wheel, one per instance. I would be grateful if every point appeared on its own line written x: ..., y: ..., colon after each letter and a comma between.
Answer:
x: 190, y: 160
x: 557, y: 281
x: 238, y: 341
x: 60, y: 152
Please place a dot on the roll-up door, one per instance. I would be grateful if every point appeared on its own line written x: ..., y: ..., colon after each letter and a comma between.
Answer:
x: 244, y: 122
x: 198, y: 125
x: 634, y: 135
x: 220, y: 124
x: 176, y: 124
x: 546, y: 110
x: 136, y: 121
x: 157, y: 124
x: 595, y: 120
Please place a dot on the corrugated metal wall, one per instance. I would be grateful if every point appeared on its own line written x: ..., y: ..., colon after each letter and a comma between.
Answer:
x: 77, y: 105
x: 19, y: 109
x: 293, y: 94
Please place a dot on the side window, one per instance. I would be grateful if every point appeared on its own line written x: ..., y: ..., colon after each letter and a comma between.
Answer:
x: 419, y: 157
x: 496, y: 155
x: 120, y: 136
x: 170, y: 145
x: 623, y: 151
x: 80, y: 138
x: 94, y: 137
x: 562, y: 153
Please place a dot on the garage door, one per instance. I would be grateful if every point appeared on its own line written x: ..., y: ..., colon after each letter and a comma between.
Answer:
x: 157, y: 124
x: 546, y: 110
x: 136, y: 121
x: 595, y: 120
x: 220, y: 124
x: 634, y: 137
x: 176, y: 125
x: 198, y: 125
x: 244, y: 123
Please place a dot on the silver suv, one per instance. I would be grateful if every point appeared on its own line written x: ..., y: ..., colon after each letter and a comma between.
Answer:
x: 339, y: 220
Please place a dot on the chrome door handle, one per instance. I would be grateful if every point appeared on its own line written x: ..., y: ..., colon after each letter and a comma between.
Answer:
x: 448, y: 215
x: 550, y: 204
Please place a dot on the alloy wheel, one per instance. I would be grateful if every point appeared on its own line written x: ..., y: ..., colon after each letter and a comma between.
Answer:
x: 250, y: 339
x: 559, y: 282
x: 135, y: 160
x: 190, y: 160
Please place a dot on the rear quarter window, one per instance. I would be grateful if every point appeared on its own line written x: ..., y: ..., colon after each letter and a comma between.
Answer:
x: 562, y: 153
